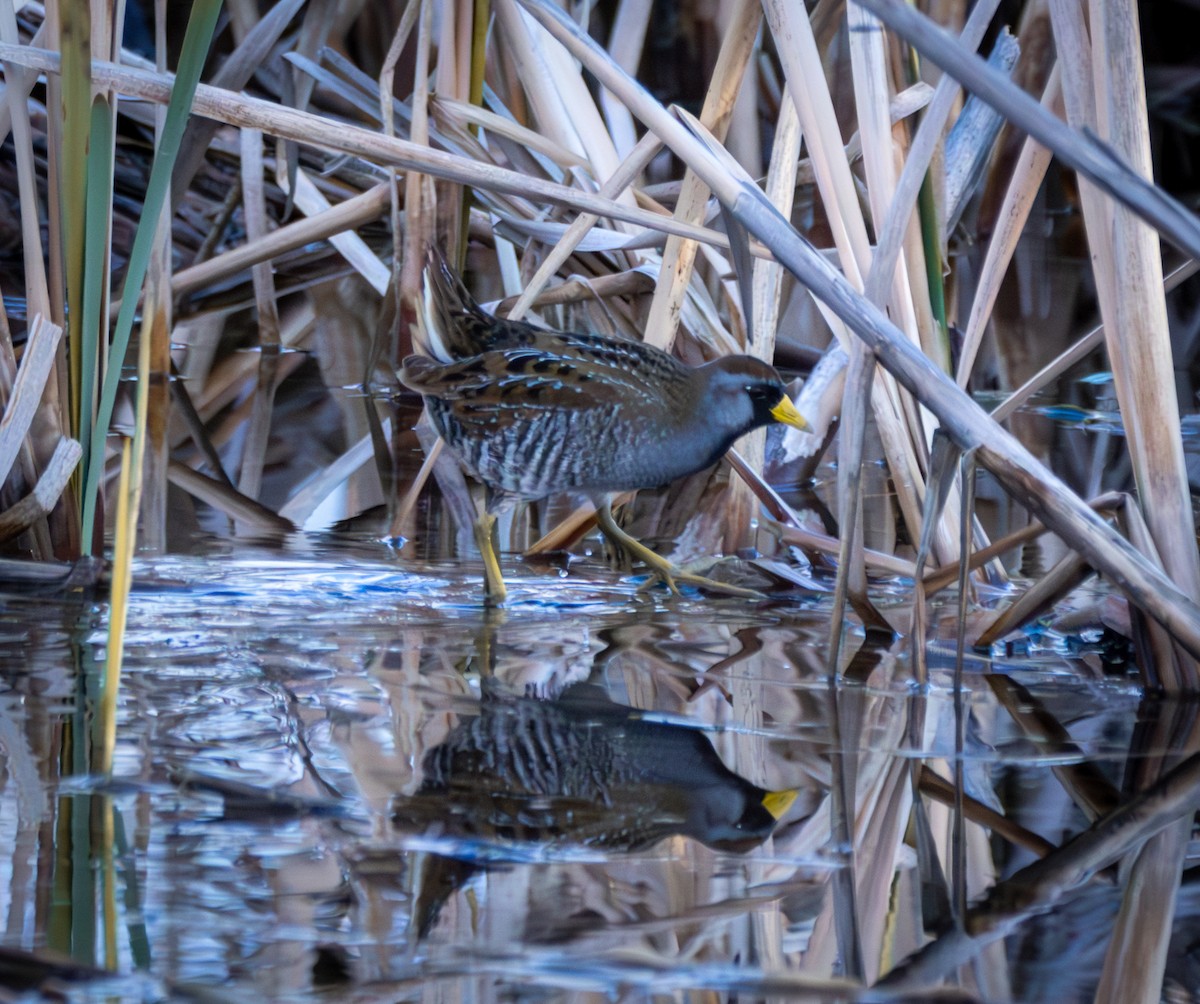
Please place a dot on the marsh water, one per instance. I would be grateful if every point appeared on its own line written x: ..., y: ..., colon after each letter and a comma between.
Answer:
x: 297, y: 809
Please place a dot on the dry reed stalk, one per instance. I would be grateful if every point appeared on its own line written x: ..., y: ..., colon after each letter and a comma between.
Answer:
x: 1139, y: 324
x: 625, y: 46
x: 408, y: 243
x: 18, y: 83
x: 36, y: 368
x: 258, y: 429
x: 155, y: 342
x: 1023, y: 186
x: 869, y: 70
x: 763, y: 315
x: 562, y: 107
x: 40, y: 502
x: 809, y: 90
x: 449, y: 112
x: 679, y: 256
x: 882, y: 562
x: 633, y: 165
x: 25, y: 394
x: 156, y: 335
x: 1087, y: 154
x: 55, y: 270
x: 124, y: 545
x: 278, y: 120
x: 321, y: 225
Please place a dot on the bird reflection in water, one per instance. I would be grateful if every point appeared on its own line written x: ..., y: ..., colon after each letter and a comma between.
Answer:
x: 580, y: 770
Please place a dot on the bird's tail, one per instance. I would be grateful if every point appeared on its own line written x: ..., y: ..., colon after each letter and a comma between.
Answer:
x: 449, y: 320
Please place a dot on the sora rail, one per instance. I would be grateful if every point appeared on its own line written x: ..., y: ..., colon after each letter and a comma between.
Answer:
x: 530, y: 412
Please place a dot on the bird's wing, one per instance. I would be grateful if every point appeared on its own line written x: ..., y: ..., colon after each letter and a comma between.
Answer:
x: 532, y: 381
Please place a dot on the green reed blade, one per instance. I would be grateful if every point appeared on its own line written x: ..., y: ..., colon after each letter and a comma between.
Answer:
x: 93, y: 331
x: 75, y: 42
x: 201, y: 24
x: 934, y: 268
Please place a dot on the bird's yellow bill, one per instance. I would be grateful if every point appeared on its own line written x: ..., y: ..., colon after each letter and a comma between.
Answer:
x: 778, y: 802
x: 786, y: 413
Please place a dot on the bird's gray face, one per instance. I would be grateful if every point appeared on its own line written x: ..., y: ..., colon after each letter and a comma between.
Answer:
x: 747, y: 394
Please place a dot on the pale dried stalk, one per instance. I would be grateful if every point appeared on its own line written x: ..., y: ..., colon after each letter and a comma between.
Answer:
x: 453, y: 74
x: 420, y: 200
x: 781, y: 190
x: 625, y: 46
x: 561, y: 102
x: 1023, y: 187
x: 18, y: 83
x: 767, y: 288
x: 1089, y: 156
x: 1138, y: 335
x: 310, y: 201
x: 870, y: 79
x: 821, y: 543
x: 891, y: 226
x: 36, y: 365
x: 1125, y: 258
x: 325, y: 225
x: 810, y: 91
x: 258, y: 429
x: 288, y: 123
x: 1141, y: 318
x: 679, y: 256
x: 156, y: 334
x: 633, y: 165
x: 463, y: 114
x: 40, y: 502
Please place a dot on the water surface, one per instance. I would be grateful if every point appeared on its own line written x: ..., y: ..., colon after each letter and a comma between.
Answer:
x: 271, y: 830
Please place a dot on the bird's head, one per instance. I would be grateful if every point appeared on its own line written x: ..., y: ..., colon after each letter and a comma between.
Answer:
x: 746, y: 393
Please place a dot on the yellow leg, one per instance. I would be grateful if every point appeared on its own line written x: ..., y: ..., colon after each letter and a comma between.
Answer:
x: 659, y: 565
x: 485, y: 539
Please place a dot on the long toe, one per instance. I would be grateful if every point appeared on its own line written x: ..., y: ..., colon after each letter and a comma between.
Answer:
x: 660, y: 566
x: 672, y: 575
x: 713, y: 585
